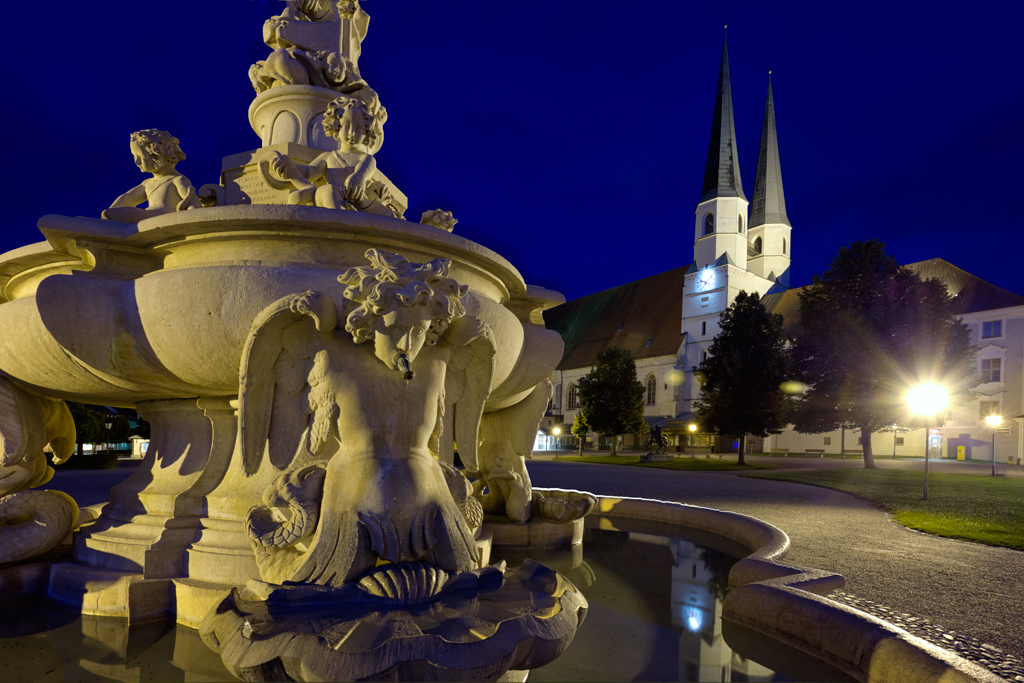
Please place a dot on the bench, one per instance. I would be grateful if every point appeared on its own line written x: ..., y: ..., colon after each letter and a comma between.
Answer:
x: 858, y: 453
x: 656, y: 457
x: 820, y: 452
x: 784, y: 451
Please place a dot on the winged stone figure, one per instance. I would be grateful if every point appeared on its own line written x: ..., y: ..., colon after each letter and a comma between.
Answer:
x: 348, y: 402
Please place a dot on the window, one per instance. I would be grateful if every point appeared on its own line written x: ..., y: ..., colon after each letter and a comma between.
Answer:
x: 990, y: 369
x: 987, y: 408
x: 899, y: 440
x: 992, y: 329
x: 573, y: 405
x: 709, y: 223
x: 703, y: 356
x: 741, y: 223
x: 783, y: 246
x: 757, y: 245
x: 652, y: 390
x: 703, y: 327
x: 828, y: 441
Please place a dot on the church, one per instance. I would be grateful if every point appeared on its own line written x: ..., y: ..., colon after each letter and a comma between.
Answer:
x: 668, y: 321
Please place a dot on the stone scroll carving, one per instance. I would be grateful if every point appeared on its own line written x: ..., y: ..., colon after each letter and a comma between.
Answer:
x: 157, y: 152
x: 347, y: 401
x: 32, y: 522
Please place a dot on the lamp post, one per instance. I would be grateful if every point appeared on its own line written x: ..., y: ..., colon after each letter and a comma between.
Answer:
x: 693, y: 430
x: 107, y: 446
x: 556, y: 431
x: 927, y: 400
x: 993, y: 422
x: 894, y: 442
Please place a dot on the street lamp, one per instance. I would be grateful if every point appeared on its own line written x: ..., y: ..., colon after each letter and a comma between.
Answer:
x: 993, y: 422
x: 927, y: 400
x: 109, y: 425
x: 693, y: 430
x: 556, y: 431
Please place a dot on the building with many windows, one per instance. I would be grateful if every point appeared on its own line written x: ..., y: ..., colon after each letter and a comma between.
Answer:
x: 669, y: 320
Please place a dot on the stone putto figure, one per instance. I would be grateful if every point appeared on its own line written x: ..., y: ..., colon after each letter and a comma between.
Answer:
x: 157, y: 152
x: 345, y: 178
x: 352, y: 417
x: 314, y: 44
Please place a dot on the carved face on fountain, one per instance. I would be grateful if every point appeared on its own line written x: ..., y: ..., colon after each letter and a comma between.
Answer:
x: 400, y: 305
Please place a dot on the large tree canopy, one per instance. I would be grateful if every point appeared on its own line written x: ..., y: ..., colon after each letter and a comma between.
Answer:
x: 747, y: 364
x: 611, y: 399
x: 873, y: 329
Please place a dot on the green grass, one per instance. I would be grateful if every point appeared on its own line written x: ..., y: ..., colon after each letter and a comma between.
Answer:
x: 699, y: 464
x: 977, y: 508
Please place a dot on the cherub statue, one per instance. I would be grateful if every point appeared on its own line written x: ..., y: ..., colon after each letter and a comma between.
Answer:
x: 345, y: 178
x: 352, y: 417
x: 156, y: 152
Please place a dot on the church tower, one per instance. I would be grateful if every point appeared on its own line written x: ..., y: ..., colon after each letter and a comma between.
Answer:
x: 721, y: 226
x: 770, y: 230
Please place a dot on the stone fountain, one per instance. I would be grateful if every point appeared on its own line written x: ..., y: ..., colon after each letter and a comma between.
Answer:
x: 310, y: 363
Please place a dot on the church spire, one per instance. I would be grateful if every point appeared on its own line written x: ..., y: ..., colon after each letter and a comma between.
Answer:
x: 769, y: 205
x: 722, y: 173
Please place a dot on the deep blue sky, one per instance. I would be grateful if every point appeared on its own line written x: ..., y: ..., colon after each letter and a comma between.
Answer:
x: 569, y: 136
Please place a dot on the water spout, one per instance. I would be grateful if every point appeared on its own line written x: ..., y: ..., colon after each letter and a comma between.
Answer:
x: 402, y: 361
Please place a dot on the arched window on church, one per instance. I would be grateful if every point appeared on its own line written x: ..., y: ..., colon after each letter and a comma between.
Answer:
x: 783, y: 246
x: 652, y: 390
x: 573, y: 405
x: 758, y: 245
x: 741, y: 223
x: 709, y: 223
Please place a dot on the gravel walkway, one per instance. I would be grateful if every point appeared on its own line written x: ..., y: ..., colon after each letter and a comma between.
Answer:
x: 969, y: 588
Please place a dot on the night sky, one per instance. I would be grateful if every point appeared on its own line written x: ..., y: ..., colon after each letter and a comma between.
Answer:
x: 568, y: 136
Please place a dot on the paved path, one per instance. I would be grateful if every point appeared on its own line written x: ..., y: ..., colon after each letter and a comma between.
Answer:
x: 969, y: 588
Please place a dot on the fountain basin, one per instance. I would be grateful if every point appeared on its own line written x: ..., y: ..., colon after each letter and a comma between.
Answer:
x: 116, y: 314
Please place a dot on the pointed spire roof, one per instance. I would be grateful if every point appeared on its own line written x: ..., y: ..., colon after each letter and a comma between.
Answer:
x: 722, y: 173
x: 769, y: 205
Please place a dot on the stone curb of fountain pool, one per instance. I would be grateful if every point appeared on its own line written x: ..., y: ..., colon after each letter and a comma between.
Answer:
x: 988, y: 656
x: 787, y: 603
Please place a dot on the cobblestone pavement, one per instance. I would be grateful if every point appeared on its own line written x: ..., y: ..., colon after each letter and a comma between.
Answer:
x: 969, y: 588
x: 989, y: 656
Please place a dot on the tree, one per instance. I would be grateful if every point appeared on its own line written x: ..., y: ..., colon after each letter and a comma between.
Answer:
x: 579, y: 430
x: 872, y: 329
x: 611, y: 399
x: 747, y: 364
x: 89, y: 425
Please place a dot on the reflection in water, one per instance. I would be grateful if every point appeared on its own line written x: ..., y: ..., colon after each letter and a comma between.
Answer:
x: 655, y: 615
x: 655, y: 610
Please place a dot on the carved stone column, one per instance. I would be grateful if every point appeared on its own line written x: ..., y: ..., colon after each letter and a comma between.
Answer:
x: 141, y: 539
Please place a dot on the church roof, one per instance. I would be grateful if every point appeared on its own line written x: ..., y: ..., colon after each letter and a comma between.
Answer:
x: 722, y: 172
x: 769, y: 204
x: 970, y: 294
x: 644, y: 317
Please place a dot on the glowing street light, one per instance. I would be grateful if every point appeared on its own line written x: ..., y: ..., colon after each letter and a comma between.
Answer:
x: 556, y: 431
x: 928, y: 400
x: 993, y: 422
x: 693, y: 430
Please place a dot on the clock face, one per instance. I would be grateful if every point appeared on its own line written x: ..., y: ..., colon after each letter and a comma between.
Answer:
x: 705, y: 280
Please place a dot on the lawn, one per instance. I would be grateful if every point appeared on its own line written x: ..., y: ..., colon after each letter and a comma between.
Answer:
x: 685, y: 463
x: 977, y: 508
